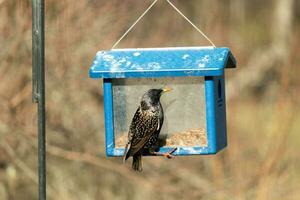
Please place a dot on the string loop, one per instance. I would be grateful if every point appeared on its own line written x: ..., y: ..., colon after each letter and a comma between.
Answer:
x: 147, y: 10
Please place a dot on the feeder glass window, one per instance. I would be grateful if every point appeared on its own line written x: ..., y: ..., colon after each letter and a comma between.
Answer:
x: 184, y: 109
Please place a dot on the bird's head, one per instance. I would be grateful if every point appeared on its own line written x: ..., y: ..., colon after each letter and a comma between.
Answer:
x: 152, y: 97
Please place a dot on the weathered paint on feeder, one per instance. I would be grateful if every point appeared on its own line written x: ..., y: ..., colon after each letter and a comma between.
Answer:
x: 161, y: 62
x: 208, y: 62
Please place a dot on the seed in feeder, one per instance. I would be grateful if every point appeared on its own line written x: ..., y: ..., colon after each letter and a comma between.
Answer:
x: 189, y: 138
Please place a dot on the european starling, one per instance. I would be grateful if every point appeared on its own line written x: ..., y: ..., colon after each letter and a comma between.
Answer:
x: 145, y: 127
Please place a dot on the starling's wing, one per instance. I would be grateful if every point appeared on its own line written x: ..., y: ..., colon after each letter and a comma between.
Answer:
x: 145, y: 127
x: 131, y: 133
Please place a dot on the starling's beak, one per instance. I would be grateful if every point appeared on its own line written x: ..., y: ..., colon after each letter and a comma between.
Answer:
x: 167, y: 89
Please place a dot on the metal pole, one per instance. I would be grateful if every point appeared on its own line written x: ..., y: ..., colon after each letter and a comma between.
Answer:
x: 38, y: 87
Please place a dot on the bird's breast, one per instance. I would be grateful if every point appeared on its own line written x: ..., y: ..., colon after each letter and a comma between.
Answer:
x: 154, y: 111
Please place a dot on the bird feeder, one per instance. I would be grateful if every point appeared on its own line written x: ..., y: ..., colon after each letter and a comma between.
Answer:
x: 195, y: 110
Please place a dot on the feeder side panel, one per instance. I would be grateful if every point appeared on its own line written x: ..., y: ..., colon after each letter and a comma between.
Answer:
x: 210, y: 114
x: 220, y: 105
x: 108, y: 115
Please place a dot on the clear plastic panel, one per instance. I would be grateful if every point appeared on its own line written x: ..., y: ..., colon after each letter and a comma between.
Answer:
x: 184, y: 109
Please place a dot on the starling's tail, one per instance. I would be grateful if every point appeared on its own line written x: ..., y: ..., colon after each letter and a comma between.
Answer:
x: 137, y: 163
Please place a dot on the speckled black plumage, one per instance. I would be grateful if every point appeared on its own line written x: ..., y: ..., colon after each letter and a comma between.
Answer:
x: 145, y: 127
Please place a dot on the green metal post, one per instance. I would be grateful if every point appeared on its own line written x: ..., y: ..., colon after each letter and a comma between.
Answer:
x: 38, y: 87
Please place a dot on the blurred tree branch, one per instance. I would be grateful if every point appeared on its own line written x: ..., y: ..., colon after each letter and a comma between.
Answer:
x: 19, y: 163
x: 88, y: 158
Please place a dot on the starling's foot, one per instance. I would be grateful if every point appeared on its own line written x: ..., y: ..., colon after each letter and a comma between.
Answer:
x: 167, y: 155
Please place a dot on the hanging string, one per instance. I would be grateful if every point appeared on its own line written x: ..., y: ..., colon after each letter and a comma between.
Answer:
x: 144, y: 13
x: 191, y: 23
x: 129, y: 29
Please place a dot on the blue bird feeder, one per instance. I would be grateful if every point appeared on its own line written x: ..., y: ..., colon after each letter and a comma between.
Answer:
x: 195, y: 111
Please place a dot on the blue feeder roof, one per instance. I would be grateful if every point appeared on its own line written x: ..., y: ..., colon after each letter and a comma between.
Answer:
x: 160, y: 62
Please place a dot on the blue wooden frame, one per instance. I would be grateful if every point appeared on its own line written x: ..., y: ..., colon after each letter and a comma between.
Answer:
x: 171, y: 61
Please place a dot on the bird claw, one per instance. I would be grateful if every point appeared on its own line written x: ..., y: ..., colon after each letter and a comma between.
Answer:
x: 169, y: 154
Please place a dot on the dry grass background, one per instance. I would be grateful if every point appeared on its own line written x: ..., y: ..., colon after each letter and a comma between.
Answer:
x: 262, y: 160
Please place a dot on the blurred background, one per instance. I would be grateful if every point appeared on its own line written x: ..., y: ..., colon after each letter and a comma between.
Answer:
x: 262, y: 160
